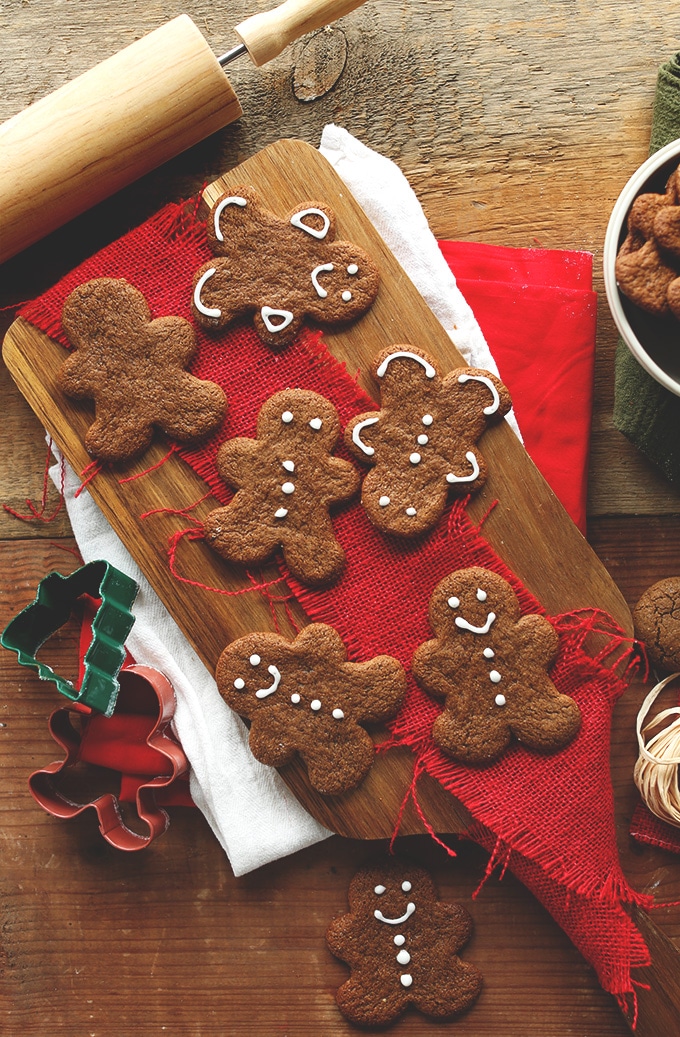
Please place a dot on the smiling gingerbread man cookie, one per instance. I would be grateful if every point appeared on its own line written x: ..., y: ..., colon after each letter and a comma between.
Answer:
x: 422, y: 442
x: 280, y: 270
x: 305, y: 697
x: 491, y: 664
x: 401, y: 944
x: 286, y: 480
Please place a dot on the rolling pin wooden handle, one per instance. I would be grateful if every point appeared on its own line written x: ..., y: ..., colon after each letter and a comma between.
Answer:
x: 265, y: 35
x: 111, y: 125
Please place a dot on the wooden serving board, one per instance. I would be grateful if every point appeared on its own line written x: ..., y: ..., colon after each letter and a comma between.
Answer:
x: 528, y: 527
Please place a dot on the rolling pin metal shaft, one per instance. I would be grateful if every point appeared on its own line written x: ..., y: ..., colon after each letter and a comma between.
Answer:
x: 128, y: 115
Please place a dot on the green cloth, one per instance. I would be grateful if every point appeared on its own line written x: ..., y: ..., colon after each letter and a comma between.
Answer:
x: 644, y: 411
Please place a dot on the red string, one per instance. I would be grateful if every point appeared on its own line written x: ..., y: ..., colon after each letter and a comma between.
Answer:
x: 39, y: 513
x: 131, y: 478
x: 175, y: 511
x: 411, y: 795
x: 89, y: 471
x: 198, y: 534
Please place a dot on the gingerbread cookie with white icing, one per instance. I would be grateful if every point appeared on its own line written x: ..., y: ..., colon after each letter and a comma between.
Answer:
x: 422, y: 442
x: 279, y: 270
x: 402, y: 945
x: 134, y: 368
x: 304, y: 697
x: 286, y: 482
x: 490, y: 665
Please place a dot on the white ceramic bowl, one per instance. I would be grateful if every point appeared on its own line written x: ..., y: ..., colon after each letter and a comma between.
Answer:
x: 653, y: 341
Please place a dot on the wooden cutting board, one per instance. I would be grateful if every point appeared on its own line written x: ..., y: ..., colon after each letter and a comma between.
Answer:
x: 528, y: 527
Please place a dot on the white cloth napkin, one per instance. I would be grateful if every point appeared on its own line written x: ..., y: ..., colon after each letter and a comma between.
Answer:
x: 249, y: 808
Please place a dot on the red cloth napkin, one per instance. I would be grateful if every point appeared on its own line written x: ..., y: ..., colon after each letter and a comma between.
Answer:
x: 537, y: 310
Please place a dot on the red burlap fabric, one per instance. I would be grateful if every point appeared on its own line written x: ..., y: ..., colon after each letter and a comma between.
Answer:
x: 550, y: 819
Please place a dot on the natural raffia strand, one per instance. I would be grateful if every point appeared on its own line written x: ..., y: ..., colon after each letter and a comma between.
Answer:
x: 656, y: 771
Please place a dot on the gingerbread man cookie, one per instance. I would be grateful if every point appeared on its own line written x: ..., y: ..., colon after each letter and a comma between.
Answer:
x: 491, y: 666
x: 280, y: 270
x: 421, y: 443
x: 402, y: 945
x: 305, y: 697
x: 133, y: 368
x: 286, y: 481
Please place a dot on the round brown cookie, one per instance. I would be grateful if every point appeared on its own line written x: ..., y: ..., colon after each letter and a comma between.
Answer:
x: 133, y: 369
x: 305, y: 697
x: 279, y: 270
x: 421, y: 444
x: 490, y: 664
x: 286, y: 480
x: 656, y: 618
x: 401, y: 944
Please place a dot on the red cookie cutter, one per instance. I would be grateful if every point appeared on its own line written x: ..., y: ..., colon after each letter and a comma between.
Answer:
x: 135, y: 743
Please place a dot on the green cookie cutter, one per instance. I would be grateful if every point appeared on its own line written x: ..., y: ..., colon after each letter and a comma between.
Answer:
x: 50, y: 610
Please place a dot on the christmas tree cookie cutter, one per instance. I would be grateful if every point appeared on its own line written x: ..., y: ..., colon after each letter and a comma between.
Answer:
x: 54, y: 602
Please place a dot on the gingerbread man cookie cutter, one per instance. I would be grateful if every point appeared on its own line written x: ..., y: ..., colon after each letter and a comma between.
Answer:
x: 51, y: 608
x: 147, y: 702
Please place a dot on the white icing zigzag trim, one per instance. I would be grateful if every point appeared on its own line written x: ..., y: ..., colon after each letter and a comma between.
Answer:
x: 493, y: 407
x: 207, y: 311
x: 233, y: 200
x: 429, y: 369
x: 472, y: 458
x: 267, y: 313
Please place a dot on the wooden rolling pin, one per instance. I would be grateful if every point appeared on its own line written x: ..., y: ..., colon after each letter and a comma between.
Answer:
x: 128, y: 115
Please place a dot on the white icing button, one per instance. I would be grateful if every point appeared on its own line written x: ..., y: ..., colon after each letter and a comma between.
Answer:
x: 415, y: 458
x: 384, y: 501
x: 315, y: 704
x: 255, y: 660
x: 406, y: 980
x: 346, y: 296
x: 500, y: 700
x: 316, y: 424
x: 288, y: 487
x: 379, y: 890
x: 454, y: 603
x: 289, y: 465
x: 295, y: 698
x: 488, y: 653
x: 427, y: 419
x: 403, y: 957
x: 495, y: 677
x: 423, y: 439
x: 406, y: 886
x: 280, y: 512
x: 338, y: 714
x: 352, y: 268
x: 239, y: 683
x: 481, y: 594
x: 399, y: 940
x: 411, y: 512
x: 287, y: 417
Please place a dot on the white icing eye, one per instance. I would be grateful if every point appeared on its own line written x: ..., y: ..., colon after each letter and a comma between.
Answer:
x: 495, y: 677
x: 454, y: 602
x: 287, y: 417
x: 415, y: 457
x: 288, y: 487
x: 481, y: 595
x: 239, y: 683
x: 406, y: 886
x: 399, y: 940
x: 289, y: 465
x: 280, y: 513
x: 379, y: 890
x: 411, y: 512
x: 346, y: 296
x: 254, y: 660
x: 384, y: 501
x: 316, y: 424
x: 295, y: 698
x: 352, y: 268
x: 338, y: 714
x: 315, y: 704
x: 500, y: 700
x: 423, y: 439
x: 427, y: 419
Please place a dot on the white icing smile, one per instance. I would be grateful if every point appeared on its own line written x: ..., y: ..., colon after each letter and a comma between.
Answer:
x: 356, y: 435
x: 410, y: 908
x: 262, y: 693
x: 321, y: 292
x: 207, y: 311
x: 463, y: 624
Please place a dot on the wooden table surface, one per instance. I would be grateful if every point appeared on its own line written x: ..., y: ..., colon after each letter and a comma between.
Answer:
x: 516, y: 124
